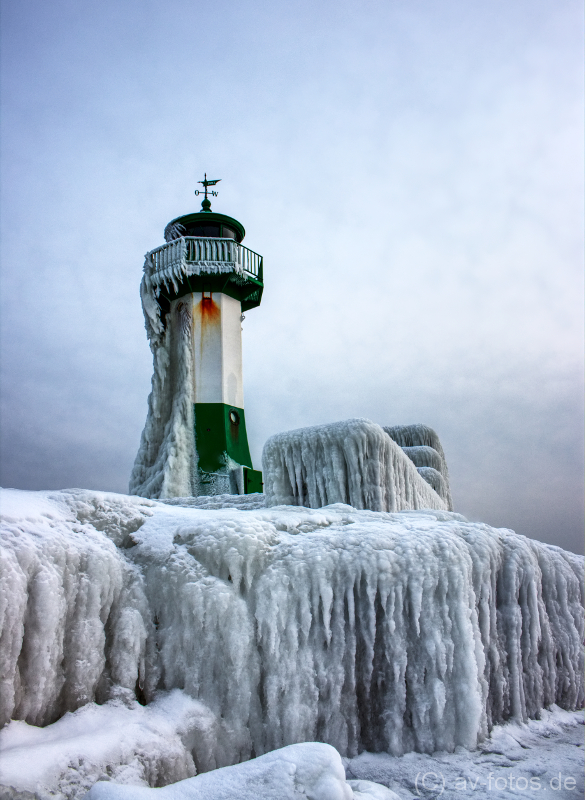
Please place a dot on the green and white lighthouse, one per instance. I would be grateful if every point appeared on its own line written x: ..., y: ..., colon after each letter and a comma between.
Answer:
x: 195, y: 290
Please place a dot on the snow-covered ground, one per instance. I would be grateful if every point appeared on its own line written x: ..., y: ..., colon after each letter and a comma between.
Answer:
x: 242, y: 629
x: 129, y: 745
x: 540, y: 759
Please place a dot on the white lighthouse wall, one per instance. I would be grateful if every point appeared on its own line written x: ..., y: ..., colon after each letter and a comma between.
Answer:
x: 231, y: 334
x: 217, y: 349
x: 197, y: 358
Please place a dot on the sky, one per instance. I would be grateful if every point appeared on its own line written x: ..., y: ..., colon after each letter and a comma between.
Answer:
x: 411, y: 172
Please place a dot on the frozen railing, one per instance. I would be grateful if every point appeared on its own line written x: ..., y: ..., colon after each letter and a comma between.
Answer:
x: 206, y: 251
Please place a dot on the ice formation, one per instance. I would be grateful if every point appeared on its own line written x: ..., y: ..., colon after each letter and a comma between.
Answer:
x: 365, y: 630
x: 354, y: 462
x: 423, y: 446
x: 164, y: 465
x: 540, y: 759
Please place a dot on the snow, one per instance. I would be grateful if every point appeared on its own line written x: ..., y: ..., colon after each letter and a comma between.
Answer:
x: 540, y: 759
x: 313, y: 771
x: 354, y: 461
x: 132, y: 746
x: 122, y: 746
x: 366, y: 630
x: 245, y: 502
x: 120, y: 740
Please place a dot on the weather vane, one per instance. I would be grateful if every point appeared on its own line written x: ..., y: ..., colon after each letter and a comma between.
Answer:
x: 207, y: 183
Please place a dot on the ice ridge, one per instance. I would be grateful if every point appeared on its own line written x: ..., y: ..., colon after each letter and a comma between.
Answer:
x: 365, y: 630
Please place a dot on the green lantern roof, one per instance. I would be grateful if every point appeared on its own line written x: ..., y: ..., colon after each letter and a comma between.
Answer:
x: 205, y: 223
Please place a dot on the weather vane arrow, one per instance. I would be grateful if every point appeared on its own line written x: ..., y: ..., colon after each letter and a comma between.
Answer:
x: 206, y: 184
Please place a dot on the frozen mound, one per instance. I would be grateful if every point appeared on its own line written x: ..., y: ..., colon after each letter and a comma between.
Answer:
x: 365, y: 630
x: 423, y: 446
x: 310, y: 771
x: 130, y: 743
x: 133, y: 746
x: 434, y: 478
x: 354, y: 462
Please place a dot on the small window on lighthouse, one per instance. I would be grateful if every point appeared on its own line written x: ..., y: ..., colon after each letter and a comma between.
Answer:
x: 234, y: 417
x: 228, y: 233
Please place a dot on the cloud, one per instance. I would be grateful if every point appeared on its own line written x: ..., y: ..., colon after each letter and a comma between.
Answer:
x: 411, y: 174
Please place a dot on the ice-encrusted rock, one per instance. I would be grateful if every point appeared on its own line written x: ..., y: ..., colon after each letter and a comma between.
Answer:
x: 352, y: 462
x: 424, y: 456
x: 415, y: 436
x: 366, y: 630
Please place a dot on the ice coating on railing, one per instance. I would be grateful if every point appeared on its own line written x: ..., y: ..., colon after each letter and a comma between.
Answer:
x: 168, y: 266
x: 418, y: 441
x: 361, y: 629
x: 424, y: 456
x: 434, y: 478
x: 352, y: 462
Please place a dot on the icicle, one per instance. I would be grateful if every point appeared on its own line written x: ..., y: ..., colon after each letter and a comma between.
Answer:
x: 365, y: 630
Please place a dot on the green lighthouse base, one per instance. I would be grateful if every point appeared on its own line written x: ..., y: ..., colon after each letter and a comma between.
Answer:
x: 222, y: 448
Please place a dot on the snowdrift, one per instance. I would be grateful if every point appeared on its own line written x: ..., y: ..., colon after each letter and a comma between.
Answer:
x: 120, y: 749
x: 297, y: 772
x: 365, y: 630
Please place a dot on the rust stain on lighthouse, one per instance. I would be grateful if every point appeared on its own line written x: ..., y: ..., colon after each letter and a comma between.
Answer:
x: 210, y: 314
x: 210, y: 311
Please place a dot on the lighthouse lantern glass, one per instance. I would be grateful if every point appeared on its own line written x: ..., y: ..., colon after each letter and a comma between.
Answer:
x: 212, y: 231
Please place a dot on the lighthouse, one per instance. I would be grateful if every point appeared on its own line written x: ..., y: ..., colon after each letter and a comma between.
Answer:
x: 195, y: 289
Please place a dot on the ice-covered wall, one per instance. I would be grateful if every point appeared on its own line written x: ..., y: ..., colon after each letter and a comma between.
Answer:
x: 353, y: 462
x: 383, y: 631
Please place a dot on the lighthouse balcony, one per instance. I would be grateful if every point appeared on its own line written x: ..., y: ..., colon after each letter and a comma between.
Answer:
x: 195, y: 264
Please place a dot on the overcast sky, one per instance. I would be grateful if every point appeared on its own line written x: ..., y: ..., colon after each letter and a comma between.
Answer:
x: 411, y: 171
